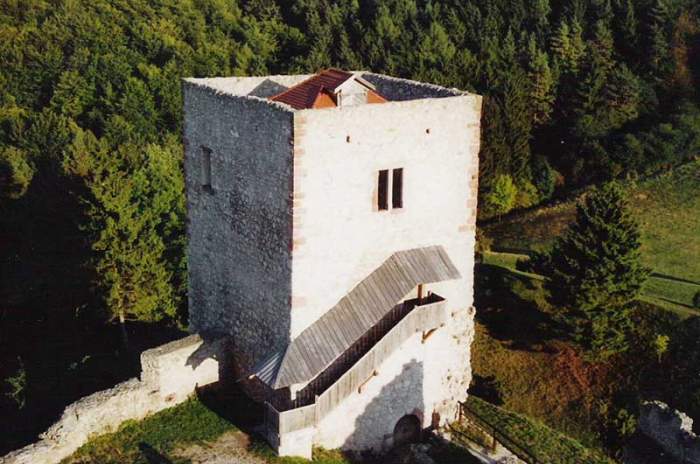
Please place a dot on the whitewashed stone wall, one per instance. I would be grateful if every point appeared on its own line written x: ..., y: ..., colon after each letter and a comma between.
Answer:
x: 170, y: 374
x: 407, y: 383
x: 339, y: 236
x: 670, y: 429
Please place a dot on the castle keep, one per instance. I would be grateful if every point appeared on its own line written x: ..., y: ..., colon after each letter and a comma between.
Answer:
x: 331, y: 236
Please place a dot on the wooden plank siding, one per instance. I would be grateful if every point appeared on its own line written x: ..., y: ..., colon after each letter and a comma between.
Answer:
x: 420, y: 318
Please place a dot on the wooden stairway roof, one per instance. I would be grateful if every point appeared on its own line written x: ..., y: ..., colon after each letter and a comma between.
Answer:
x: 333, y: 333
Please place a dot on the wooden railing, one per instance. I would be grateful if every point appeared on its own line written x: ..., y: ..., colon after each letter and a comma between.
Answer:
x: 429, y: 315
x: 488, y: 435
x: 288, y: 421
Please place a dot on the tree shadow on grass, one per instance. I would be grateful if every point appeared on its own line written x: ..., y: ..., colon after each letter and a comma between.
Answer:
x: 487, y: 388
x: 507, y: 306
x: 659, y: 275
x: 153, y: 456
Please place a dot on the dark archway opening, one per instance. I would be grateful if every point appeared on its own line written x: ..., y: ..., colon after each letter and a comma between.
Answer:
x: 407, y: 430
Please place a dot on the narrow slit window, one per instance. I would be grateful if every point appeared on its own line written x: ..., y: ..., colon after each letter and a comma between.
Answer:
x: 383, y: 190
x: 205, y: 167
x: 397, y: 189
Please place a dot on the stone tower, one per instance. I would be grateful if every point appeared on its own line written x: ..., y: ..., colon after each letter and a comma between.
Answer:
x: 331, y: 235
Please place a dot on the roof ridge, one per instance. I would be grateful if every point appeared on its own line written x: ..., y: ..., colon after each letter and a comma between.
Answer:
x: 304, y: 94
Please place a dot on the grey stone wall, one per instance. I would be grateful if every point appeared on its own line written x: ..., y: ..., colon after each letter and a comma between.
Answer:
x: 397, y: 89
x: 239, y: 230
x: 670, y: 429
x: 170, y: 374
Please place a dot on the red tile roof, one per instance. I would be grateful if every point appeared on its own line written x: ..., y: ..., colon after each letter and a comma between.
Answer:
x: 305, y: 94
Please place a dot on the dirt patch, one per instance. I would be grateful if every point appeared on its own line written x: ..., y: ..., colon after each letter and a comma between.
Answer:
x: 229, y: 448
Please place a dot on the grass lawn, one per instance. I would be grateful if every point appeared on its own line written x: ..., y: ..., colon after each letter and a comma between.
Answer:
x: 518, y: 360
x: 540, y: 441
x: 138, y: 441
x: 667, y: 207
x: 672, y: 290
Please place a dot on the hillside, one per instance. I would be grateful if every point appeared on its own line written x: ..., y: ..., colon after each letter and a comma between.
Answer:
x: 523, y: 361
x: 666, y: 207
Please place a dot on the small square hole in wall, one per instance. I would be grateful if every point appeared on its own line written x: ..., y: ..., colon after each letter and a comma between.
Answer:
x: 427, y: 131
x: 347, y: 139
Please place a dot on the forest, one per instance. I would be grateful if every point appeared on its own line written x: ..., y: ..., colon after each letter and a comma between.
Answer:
x: 92, y: 212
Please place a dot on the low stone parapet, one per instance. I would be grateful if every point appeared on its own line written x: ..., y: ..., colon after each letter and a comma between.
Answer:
x: 169, y: 375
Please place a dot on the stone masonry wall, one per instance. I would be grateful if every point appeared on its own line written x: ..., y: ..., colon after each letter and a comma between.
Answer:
x: 339, y: 236
x: 328, y: 160
x: 397, y: 89
x: 405, y: 384
x: 670, y: 429
x: 170, y: 374
x: 239, y: 230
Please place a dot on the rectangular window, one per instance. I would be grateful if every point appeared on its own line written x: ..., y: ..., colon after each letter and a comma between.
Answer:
x: 397, y: 188
x: 205, y: 167
x: 383, y: 190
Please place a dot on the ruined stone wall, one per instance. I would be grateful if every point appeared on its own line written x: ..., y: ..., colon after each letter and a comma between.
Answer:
x: 397, y: 89
x: 239, y: 230
x: 670, y: 429
x: 170, y: 374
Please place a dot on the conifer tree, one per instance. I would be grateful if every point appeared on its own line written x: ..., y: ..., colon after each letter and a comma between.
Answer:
x: 658, y: 43
x: 608, y: 93
x: 595, y: 272
x: 541, y: 83
x: 16, y: 173
x: 136, y: 216
x: 539, y: 12
x: 626, y: 25
x: 568, y: 47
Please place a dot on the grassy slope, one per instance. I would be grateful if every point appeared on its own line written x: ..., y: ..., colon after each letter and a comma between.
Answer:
x: 545, y: 444
x: 189, y: 422
x: 520, y: 365
x: 668, y: 208
x: 519, y: 362
x: 162, y: 437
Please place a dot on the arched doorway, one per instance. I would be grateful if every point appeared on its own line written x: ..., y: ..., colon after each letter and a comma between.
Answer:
x: 407, y: 430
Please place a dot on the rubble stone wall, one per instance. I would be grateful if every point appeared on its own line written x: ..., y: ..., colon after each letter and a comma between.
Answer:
x: 170, y: 374
x: 239, y: 226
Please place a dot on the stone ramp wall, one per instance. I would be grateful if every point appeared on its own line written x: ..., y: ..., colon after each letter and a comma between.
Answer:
x: 670, y: 429
x: 169, y: 375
